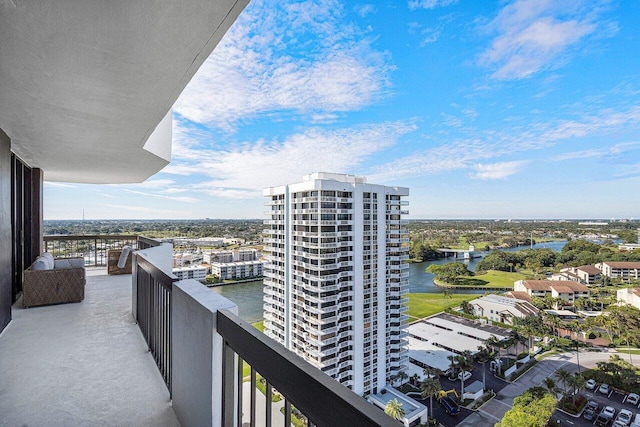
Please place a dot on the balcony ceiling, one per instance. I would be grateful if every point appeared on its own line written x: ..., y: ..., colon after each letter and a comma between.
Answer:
x: 86, y: 87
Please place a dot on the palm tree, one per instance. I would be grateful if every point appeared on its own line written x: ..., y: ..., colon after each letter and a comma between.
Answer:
x: 517, y: 338
x: 414, y: 379
x: 483, y: 356
x: 467, y: 307
x: 576, y: 382
x: 393, y: 378
x: 464, y: 364
x: 430, y: 372
x: 402, y: 375
x: 493, y: 343
x: 563, y: 375
x: 394, y: 409
x: 553, y: 322
x: 454, y: 360
x: 551, y: 385
x: 429, y: 387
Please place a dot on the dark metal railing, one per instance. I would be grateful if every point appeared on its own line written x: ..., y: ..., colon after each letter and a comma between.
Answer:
x: 146, y: 243
x: 93, y: 248
x: 319, y: 399
x: 153, y: 312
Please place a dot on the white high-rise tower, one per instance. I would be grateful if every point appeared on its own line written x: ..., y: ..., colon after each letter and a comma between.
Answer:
x: 337, y: 275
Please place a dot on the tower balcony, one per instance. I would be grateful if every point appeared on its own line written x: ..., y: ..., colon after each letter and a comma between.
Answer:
x: 138, y: 350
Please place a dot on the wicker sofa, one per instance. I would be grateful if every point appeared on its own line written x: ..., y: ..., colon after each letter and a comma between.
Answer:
x: 49, y: 281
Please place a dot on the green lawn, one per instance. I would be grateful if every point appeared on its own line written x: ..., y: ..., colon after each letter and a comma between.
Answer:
x: 259, y: 325
x: 246, y: 369
x: 423, y: 305
x: 492, y: 279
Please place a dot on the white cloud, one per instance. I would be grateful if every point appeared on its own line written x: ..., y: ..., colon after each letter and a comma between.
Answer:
x: 451, y: 121
x: 532, y: 35
x: 279, y: 57
x: 156, y: 183
x: 184, y: 199
x: 497, y: 170
x: 364, y: 9
x: 431, y: 36
x: 246, y: 170
x: 614, y: 150
x: 155, y: 212
x: 465, y: 153
x: 430, y: 4
x: 324, y: 118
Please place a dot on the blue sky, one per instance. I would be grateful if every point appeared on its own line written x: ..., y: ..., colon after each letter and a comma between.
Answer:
x: 484, y: 109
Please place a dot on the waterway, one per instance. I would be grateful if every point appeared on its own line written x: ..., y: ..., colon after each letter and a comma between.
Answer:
x: 248, y: 296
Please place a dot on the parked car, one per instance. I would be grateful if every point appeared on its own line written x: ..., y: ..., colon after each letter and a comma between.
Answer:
x: 618, y: 423
x: 602, y: 421
x: 589, y: 414
x: 591, y: 384
x: 608, y: 411
x: 593, y: 405
x: 633, y: 399
x: 604, y: 388
x: 625, y: 416
x: 466, y: 375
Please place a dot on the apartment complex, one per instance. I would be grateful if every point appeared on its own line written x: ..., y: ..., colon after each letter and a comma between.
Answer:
x: 194, y: 272
x: 237, y: 270
x: 502, y: 309
x: 336, y: 276
x: 629, y: 296
x: 236, y: 264
x: 624, y: 270
x: 566, y: 290
x: 585, y: 274
x: 237, y: 255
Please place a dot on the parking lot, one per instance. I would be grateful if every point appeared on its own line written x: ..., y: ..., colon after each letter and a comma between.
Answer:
x: 492, y: 383
x: 613, y: 398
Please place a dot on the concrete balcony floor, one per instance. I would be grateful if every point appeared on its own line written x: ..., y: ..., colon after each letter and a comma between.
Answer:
x: 81, y: 364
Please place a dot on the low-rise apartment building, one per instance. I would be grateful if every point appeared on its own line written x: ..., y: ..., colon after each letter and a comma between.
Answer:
x: 629, y: 296
x: 237, y: 255
x: 567, y: 290
x: 502, y: 309
x: 195, y: 272
x: 237, y: 270
x: 585, y: 274
x: 625, y: 270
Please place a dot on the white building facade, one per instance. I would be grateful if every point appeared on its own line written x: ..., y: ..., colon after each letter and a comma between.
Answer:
x: 336, y: 276
x: 195, y: 272
x: 237, y: 270
x: 502, y: 309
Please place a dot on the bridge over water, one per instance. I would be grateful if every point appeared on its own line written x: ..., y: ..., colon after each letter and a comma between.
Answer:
x: 460, y: 253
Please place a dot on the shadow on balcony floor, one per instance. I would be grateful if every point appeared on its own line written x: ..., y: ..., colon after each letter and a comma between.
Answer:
x: 81, y: 364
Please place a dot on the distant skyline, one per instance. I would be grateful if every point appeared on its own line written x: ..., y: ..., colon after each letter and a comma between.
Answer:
x: 504, y: 109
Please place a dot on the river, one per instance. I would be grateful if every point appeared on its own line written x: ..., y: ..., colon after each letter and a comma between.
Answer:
x: 248, y: 296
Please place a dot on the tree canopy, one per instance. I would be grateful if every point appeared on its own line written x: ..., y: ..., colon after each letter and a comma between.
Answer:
x: 533, y: 409
x: 449, y: 272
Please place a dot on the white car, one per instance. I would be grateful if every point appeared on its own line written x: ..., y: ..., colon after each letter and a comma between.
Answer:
x: 464, y: 375
x: 604, y: 388
x: 591, y: 384
x: 633, y: 399
x: 608, y: 412
x: 625, y: 416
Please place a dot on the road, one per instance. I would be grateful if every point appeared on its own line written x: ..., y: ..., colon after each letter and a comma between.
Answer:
x: 494, y: 410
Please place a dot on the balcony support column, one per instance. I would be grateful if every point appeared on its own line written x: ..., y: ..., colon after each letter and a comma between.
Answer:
x: 197, y: 354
